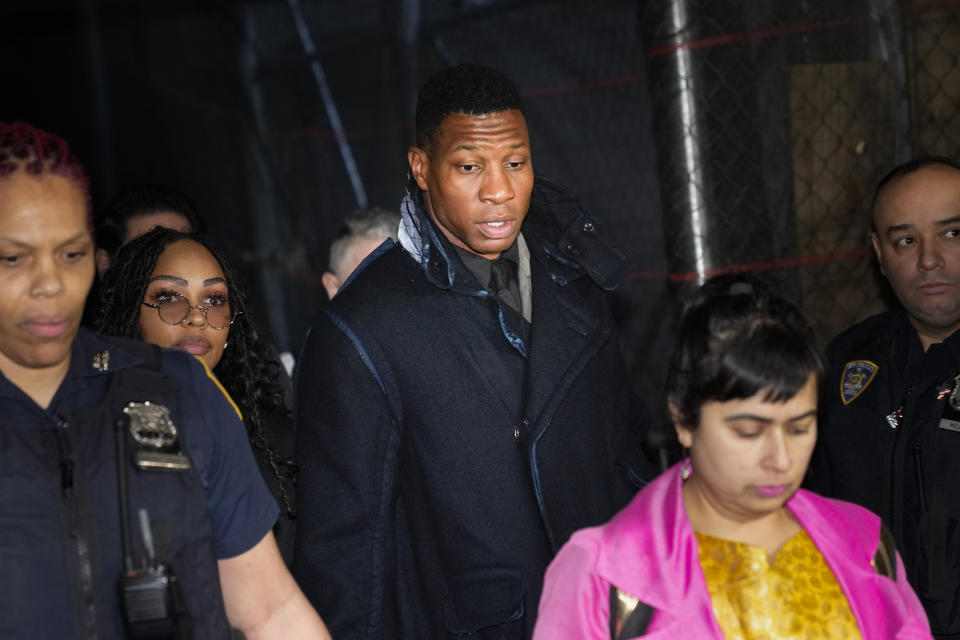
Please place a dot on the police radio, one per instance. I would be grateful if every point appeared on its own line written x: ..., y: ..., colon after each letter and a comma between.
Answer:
x: 149, y: 592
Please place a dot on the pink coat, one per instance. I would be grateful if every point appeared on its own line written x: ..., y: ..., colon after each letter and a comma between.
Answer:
x: 649, y: 551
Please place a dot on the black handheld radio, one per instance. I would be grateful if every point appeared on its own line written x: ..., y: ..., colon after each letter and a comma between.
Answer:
x: 149, y: 593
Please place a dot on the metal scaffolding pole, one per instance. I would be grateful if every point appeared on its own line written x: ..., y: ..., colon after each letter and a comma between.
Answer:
x: 310, y: 50
x: 721, y: 117
x: 267, y: 219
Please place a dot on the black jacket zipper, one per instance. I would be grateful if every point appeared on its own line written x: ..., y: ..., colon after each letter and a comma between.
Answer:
x: 81, y: 546
x: 897, y: 465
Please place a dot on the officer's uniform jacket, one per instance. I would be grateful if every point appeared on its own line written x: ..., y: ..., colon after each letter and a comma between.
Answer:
x: 60, y: 534
x: 890, y: 441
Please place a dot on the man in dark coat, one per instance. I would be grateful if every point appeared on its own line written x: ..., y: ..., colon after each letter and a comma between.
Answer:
x: 890, y: 416
x: 456, y: 424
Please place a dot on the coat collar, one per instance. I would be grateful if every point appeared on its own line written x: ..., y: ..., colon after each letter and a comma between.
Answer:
x: 938, y: 362
x: 566, y: 244
x: 558, y: 222
x: 91, y: 356
x: 658, y: 561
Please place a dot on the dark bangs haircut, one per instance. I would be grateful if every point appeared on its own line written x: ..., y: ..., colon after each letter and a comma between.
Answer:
x: 737, y: 339
x: 467, y: 88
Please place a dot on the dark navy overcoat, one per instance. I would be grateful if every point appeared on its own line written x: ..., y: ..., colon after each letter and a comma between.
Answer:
x: 447, y: 450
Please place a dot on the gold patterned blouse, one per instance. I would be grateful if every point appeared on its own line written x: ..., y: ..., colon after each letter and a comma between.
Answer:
x: 798, y: 598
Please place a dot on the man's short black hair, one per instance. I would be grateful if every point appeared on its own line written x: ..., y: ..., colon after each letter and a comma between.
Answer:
x: 111, y: 227
x: 907, y: 168
x: 468, y: 88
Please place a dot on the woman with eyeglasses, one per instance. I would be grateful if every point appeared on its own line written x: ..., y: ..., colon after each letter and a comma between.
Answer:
x: 176, y: 289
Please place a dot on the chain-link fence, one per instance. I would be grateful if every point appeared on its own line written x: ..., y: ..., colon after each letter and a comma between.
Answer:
x: 779, y: 118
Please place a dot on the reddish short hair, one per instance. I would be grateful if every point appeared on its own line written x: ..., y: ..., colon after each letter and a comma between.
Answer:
x: 24, y: 147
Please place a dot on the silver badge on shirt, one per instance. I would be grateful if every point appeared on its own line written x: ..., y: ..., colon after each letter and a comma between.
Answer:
x: 955, y: 394
x: 153, y: 431
x: 950, y: 416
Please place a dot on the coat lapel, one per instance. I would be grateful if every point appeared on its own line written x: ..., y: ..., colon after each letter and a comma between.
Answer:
x: 565, y: 335
x: 488, y: 353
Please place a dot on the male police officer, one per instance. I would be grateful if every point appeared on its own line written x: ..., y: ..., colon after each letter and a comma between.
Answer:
x: 890, y: 419
x: 129, y: 498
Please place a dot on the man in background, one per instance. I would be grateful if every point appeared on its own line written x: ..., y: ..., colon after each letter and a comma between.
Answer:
x: 362, y: 231
x: 890, y: 416
x: 137, y: 210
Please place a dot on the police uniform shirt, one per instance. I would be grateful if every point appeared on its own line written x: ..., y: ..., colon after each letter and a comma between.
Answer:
x: 240, y: 508
x: 889, y: 441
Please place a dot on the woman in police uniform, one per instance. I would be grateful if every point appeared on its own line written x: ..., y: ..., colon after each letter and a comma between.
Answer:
x: 62, y: 435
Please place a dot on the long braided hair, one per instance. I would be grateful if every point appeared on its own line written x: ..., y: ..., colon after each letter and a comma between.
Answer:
x: 246, y: 369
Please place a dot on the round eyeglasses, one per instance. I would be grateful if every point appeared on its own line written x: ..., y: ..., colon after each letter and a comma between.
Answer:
x: 177, y: 309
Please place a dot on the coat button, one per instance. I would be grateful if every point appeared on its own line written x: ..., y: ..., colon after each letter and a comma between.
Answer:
x: 516, y: 433
x: 588, y: 226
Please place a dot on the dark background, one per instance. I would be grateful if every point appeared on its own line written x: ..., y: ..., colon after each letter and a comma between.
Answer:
x: 711, y: 135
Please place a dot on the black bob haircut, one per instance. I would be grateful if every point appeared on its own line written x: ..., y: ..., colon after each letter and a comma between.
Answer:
x: 467, y: 88
x: 737, y: 339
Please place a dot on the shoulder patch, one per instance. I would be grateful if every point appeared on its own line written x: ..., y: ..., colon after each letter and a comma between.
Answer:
x: 857, y: 376
x: 220, y: 386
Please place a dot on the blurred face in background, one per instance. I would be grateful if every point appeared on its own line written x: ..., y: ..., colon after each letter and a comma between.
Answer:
x: 139, y: 225
x: 360, y: 247
x: 46, y: 270
x: 187, y: 303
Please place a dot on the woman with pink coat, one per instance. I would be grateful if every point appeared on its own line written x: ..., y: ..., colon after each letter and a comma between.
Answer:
x: 725, y: 544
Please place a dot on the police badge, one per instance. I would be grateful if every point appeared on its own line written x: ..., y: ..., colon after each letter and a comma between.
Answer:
x: 857, y: 376
x: 955, y: 394
x: 950, y: 416
x: 152, y: 430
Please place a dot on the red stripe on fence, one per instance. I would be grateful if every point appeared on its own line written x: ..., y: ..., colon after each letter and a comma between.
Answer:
x: 793, y: 29
x: 308, y: 276
x: 584, y: 85
x: 754, y: 267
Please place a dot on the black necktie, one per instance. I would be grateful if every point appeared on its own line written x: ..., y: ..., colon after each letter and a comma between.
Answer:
x: 502, y: 274
x: 503, y: 282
